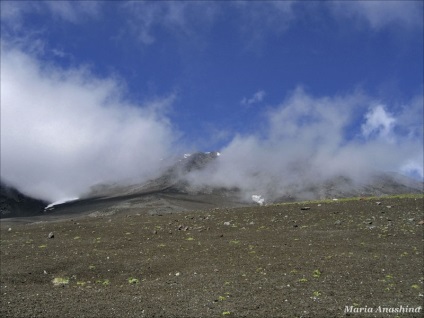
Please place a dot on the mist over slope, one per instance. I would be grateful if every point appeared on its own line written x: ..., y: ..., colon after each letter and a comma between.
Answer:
x: 95, y: 135
x: 189, y: 182
x: 16, y: 204
x: 194, y: 174
x: 308, y: 140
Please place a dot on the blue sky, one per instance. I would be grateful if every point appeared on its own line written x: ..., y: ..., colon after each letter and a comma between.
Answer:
x: 151, y: 79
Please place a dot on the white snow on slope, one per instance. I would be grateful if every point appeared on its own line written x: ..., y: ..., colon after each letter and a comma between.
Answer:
x: 258, y: 199
x: 51, y: 205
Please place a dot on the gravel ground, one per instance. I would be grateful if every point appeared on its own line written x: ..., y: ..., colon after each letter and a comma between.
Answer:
x: 328, y: 259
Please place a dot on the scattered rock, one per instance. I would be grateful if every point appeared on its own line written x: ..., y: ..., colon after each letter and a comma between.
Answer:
x: 183, y: 228
x: 338, y: 222
x: 305, y: 208
x: 227, y: 223
x: 389, y: 206
x: 421, y: 222
x: 9, y: 229
x: 51, y: 235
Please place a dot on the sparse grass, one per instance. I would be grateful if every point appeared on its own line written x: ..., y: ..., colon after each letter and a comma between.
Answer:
x: 338, y: 200
x: 58, y: 281
x: 133, y: 280
x: 104, y: 282
x: 316, y: 293
x: 316, y: 273
x: 281, y: 271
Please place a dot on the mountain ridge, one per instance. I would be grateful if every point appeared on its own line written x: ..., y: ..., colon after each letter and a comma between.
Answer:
x: 174, y: 191
x: 176, y: 179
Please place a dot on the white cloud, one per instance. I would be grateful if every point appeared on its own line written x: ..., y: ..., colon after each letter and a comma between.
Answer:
x: 65, y: 130
x: 258, y: 23
x: 13, y: 12
x: 414, y: 168
x: 307, y: 141
x: 182, y: 19
x: 256, y: 17
x: 378, y: 122
x: 410, y: 118
x: 74, y: 11
x: 380, y: 14
x: 17, y: 30
x: 191, y: 21
x: 256, y: 98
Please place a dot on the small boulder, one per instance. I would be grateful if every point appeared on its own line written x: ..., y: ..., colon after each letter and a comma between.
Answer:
x: 51, y: 235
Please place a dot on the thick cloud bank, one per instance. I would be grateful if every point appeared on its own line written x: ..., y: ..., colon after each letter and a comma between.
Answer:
x: 65, y: 130
x: 309, y: 140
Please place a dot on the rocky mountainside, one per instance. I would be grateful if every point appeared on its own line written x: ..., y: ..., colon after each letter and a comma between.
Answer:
x: 171, y: 181
x: 379, y: 184
x: 16, y: 204
x: 173, y: 192
x: 174, y: 180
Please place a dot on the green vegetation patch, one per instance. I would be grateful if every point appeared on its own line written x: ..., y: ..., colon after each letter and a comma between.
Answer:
x: 133, y: 281
x: 60, y: 281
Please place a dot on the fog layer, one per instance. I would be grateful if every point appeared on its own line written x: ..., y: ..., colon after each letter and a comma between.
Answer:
x: 307, y: 140
x: 64, y: 130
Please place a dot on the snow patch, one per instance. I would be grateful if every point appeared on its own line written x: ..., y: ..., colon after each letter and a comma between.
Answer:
x: 258, y: 199
x: 51, y: 205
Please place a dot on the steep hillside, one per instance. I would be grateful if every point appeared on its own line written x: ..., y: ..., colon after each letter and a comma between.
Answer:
x: 16, y: 204
x: 174, y: 191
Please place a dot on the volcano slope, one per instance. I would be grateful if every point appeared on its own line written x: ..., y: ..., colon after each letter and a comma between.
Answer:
x: 331, y: 260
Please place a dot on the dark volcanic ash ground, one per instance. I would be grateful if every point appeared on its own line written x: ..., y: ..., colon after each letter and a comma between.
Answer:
x: 315, y: 259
